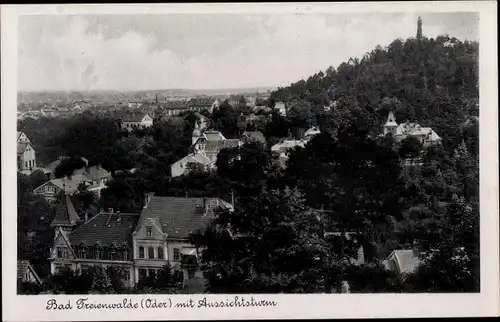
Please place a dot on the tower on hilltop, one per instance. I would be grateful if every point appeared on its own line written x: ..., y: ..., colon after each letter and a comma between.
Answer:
x: 419, y: 27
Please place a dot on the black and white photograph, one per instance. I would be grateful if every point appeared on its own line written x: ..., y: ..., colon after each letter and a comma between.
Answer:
x: 248, y: 153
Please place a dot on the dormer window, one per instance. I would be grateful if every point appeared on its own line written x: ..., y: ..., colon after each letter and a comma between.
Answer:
x: 149, y: 231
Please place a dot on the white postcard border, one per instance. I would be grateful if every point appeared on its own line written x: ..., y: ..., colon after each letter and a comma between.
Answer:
x: 485, y: 303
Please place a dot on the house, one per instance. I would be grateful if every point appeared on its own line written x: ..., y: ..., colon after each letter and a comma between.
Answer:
x: 189, y: 163
x: 93, y: 178
x: 134, y: 104
x: 174, y: 108
x: 282, y: 149
x: 26, y: 157
x: 425, y: 135
x: 141, y: 244
x: 26, y: 273
x: 211, y: 142
x: 311, y: 132
x: 280, y: 108
x: 253, y: 136
x: 201, y: 103
x: 402, y: 261
x: 136, y: 121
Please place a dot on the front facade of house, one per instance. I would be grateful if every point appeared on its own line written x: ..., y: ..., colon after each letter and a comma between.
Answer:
x: 26, y: 157
x: 141, y: 244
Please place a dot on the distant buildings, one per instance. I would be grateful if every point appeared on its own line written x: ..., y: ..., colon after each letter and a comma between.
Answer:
x: 93, y: 178
x: 136, y: 121
x: 425, y: 135
x: 282, y: 149
x: 141, y: 244
x: 206, y: 145
x: 203, y: 103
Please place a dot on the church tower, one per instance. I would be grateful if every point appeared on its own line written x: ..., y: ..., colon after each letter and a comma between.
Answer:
x: 66, y: 217
x: 419, y: 28
x: 391, y: 125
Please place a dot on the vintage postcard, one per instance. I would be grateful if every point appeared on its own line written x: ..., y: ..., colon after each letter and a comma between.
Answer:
x: 245, y: 161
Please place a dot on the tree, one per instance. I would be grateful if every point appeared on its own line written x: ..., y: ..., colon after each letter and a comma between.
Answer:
x: 410, y: 148
x: 68, y: 166
x: 272, y: 242
x: 452, y: 263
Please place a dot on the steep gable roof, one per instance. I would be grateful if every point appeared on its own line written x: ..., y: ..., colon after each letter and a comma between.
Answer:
x: 106, y: 229
x: 179, y: 217
x: 216, y: 146
x: 24, y: 266
x: 405, y: 259
x: 65, y: 213
x: 21, y: 147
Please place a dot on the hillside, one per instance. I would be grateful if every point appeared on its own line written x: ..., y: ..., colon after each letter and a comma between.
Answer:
x: 431, y: 81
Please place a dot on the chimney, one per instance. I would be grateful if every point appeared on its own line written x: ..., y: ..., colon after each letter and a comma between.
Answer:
x: 86, y: 217
x: 147, y: 198
x: 232, y: 197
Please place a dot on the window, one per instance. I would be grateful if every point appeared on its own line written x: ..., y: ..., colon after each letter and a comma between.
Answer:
x: 160, y: 252
x: 26, y: 164
x: 177, y: 255
x: 65, y: 252
x: 142, y: 273
x: 97, y: 254
x: 151, y: 252
x: 59, y: 252
x: 125, y: 255
x: 149, y: 231
x: 141, y: 252
x: 126, y: 275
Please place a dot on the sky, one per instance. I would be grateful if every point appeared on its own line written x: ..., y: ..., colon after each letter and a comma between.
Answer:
x: 206, y: 51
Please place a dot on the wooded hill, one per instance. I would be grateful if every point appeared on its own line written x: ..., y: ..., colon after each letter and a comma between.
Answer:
x: 432, y: 81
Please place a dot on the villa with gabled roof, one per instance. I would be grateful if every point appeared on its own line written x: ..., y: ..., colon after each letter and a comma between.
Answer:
x: 140, y: 244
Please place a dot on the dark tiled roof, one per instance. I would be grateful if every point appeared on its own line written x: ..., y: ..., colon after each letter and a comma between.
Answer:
x: 106, y: 229
x: 175, y: 106
x: 65, y: 212
x: 180, y: 217
x: 215, y: 146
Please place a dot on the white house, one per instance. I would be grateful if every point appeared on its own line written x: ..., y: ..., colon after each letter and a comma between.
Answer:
x: 22, y: 137
x: 425, y: 135
x: 311, y: 132
x: 26, y: 157
x: 283, y: 148
x: 132, y: 122
x: 280, y: 108
x: 192, y: 161
x: 402, y: 261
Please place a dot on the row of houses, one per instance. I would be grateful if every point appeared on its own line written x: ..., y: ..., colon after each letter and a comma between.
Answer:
x: 142, y: 243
